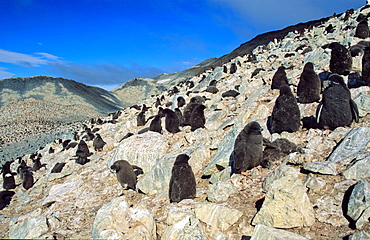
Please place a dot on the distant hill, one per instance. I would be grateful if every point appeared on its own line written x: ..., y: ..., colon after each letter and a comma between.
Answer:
x: 60, y: 91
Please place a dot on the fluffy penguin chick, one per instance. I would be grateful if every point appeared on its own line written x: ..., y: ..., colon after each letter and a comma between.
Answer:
x: 182, y: 182
x: 285, y: 114
x: 309, y: 85
x: 172, y: 122
x: 156, y: 124
x: 98, y: 142
x: 197, y: 119
x: 248, y: 148
x: 125, y: 174
x: 82, y: 153
x: 279, y: 78
x: 336, y: 109
x: 340, y: 60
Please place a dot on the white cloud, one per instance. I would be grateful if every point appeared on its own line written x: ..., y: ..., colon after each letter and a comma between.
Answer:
x: 102, y: 74
x: 107, y: 75
x: 48, y: 56
x: 26, y: 60
x: 5, y: 74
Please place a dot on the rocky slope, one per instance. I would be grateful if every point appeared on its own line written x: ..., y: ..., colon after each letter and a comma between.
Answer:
x: 320, y: 192
x: 29, y: 124
x: 136, y: 89
x: 36, y: 110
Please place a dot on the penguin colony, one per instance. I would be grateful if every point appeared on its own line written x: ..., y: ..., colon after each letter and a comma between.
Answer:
x: 336, y: 109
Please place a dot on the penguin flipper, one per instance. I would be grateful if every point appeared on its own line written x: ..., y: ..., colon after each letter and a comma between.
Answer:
x: 318, y: 111
x: 354, y: 110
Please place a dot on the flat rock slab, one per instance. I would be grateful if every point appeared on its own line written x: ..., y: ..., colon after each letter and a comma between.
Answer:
x: 32, y: 227
x: 224, y: 151
x: 217, y: 216
x: 359, y: 170
x: 265, y: 232
x: 352, y: 145
x: 327, y: 168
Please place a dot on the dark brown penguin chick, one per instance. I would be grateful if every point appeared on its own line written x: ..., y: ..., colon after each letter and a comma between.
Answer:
x: 197, y: 119
x: 362, y: 29
x: 58, y: 167
x: 182, y: 183
x: 172, y: 122
x: 309, y: 86
x: 125, y: 174
x: 279, y: 78
x: 366, y: 66
x: 248, y: 148
x: 180, y: 102
x: 98, y: 142
x: 156, y: 124
x: 340, y: 60
x: 27, y: 179
x: 336, y: 108
x: 82, y: 153
x: 285, y: 114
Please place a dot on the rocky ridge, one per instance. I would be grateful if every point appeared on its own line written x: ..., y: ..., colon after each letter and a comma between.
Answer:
x: 319, y: 193
x: 138, y: 88
x: 58, y: 90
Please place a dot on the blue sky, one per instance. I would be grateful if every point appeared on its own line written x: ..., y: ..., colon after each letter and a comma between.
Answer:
x: 108, y: 42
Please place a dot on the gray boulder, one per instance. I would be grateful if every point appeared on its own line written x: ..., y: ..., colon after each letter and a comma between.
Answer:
x: 265, y: 232
x: 32, y: 227
x: 315, y: 184
x: 327, y: 168
x: 217, y: 216
x: 221, y: 176
x: 352, y: 145
x: 142, y: 150
x: 182, y: 223
x: 329, y: 210
x: 359, y: 203
x: 221, y: 191
x: 359, y: 170
x: 286, y: 205
x: 361, y: 235
x: 363, y: 104
x: 224, y: 151
x: 59, y: 192
x: 280, y: 172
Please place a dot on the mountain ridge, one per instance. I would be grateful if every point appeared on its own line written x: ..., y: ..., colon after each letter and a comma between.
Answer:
x: 209, y: 64
x: 58, y: 90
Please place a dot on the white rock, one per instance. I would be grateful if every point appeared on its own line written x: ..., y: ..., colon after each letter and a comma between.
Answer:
x: 265, y: 232
x: 142, y: 150
x: 217, y: 216
x: 117, y: 219
x: 32, y: 227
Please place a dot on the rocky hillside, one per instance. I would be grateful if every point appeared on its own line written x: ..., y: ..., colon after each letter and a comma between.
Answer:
x: 35, y: 110
x: 138, y: 88
x: 58, y: 90
x: 29, y: 124
x: 318, y: 192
